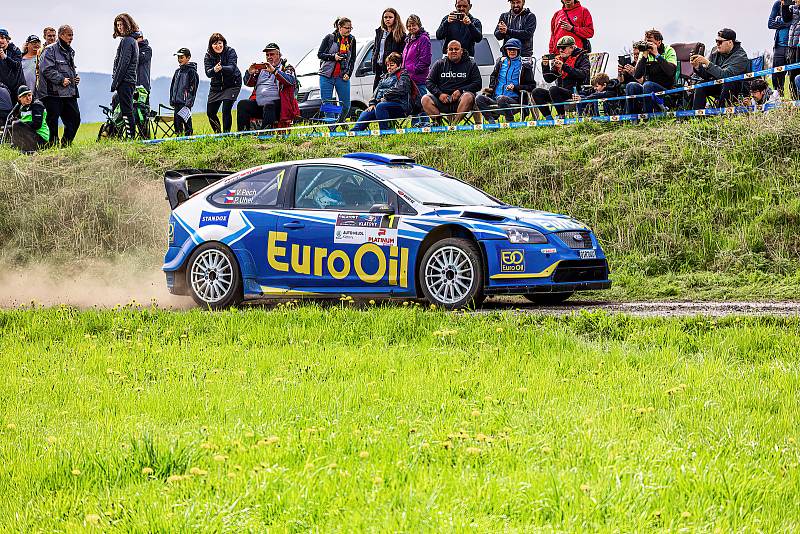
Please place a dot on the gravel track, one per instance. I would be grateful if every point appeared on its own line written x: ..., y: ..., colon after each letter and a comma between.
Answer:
x: 652, y: 309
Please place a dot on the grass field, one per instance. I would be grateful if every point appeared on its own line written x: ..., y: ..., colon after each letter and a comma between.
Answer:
x: 696, y: 209
x: 396, y: 419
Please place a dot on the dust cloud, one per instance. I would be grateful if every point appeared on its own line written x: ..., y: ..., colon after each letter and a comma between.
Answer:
x: 89, y: 285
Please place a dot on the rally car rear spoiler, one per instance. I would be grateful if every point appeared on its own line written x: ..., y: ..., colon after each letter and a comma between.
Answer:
x: 183, y: 183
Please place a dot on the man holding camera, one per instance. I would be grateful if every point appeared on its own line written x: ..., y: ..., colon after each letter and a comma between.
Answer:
x: 570, y: 70
x: 462, y: 27
x: 520, y: 24
x: 728, y: 60
x: 273, y: 98
x: 58, y: 86
x: 452, y: 84
x: 658, y: 67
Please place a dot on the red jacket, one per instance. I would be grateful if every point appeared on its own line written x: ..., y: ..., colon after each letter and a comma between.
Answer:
x: 580, y: 18
x: 290, y: 109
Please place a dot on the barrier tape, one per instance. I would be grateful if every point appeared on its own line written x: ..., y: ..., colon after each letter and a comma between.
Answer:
x: 280, y: 133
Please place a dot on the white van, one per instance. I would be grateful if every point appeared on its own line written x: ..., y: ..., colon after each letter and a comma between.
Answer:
x: 486, y: 54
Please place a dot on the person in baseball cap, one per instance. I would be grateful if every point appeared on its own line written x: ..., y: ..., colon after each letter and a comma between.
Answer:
x: 183, y: 92
x: 30, y: 131
x: 569, y: 69
x: 727, y: 60
x: 273, y: 84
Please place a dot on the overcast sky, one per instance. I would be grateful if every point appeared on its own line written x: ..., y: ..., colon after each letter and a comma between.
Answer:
x: 299, y: 25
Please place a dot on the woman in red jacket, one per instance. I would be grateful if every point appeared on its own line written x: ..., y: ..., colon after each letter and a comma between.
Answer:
x: 573, y: 20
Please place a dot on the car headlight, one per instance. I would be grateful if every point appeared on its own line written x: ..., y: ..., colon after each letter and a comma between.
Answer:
x: 525, y: 236
x: 313, y: 94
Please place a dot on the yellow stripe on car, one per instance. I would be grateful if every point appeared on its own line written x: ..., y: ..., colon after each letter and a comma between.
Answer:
x: 518, y: 276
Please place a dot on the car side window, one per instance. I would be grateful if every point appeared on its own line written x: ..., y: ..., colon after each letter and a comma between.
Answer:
x: 366, y: 64
x: 336, y: 189
x: 258, y: 190
x: 483, y: 54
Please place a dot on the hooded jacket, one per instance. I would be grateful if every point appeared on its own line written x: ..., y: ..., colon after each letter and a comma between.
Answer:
x: 417, y: 57
x: 394, y: 87
x: 327, y: 55
x: 183, y: 89
x: 791, y: 14
x: 661, y: 70
x: 518, y: 72
x: 725, y: 65
x: 56, y: 63
x: 777, y: 23
x: 521, y: 27
x: 143, y: 70
x: 580, y: 18
x: 379, y: 63
x: 447, y: 77
x: 11, y: 74
x: 126, y: 63
x: 574, y: 73
x: 467, y: 34
x: 230, y: 76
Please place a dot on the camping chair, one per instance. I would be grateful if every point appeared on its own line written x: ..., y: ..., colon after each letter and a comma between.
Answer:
x: 163, y: 122
x: 328, y: 114
x: 687, y: 78
x: 598, y: 62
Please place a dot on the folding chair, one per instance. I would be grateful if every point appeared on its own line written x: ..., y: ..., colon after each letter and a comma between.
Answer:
x: 684, y: 53
x: 163, y: 122
x: 328, y: 114
x: 598, y: 62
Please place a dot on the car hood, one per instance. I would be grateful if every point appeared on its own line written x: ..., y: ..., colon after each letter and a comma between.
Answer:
x: 511, y: 216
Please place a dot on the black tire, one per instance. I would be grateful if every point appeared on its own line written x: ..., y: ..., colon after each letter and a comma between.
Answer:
x: 213, y: 277
x: 549, y: 299
x: 104, y: 133
x: 451, y: 274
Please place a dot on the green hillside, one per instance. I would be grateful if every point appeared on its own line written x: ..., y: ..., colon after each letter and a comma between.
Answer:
x: 700, y: 209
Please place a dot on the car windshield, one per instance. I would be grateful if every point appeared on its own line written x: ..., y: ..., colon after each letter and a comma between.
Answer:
x: 432, y: 188
x: 309, y: 64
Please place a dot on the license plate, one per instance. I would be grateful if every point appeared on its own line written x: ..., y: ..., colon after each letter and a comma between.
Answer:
x: 588, y: 254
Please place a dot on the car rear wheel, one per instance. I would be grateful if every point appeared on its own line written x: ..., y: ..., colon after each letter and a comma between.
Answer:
x: 451, y: 274
x: 213, y: 277
x: 549, y: 299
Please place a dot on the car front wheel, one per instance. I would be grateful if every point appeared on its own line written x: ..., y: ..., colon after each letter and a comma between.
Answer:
x: 451, y: 274
x: 213, y: 277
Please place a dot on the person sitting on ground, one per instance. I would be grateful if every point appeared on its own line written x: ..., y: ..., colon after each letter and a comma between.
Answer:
x: 10, y: 63
x: 392, y: 98
x: 273, y: 99
x: 761, y: 94
x: 452, y: 84
x: 29, y: 132
x: 601, y: 89
x: 728, y: 60
x: 460, y: 26
x: 512, y: 74
x: 183, y: 91
x: 569, y: 69
x: 658, y: 67
x: 518, y: 23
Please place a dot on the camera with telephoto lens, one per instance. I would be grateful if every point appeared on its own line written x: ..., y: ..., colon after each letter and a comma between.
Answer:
x: 642, y: 46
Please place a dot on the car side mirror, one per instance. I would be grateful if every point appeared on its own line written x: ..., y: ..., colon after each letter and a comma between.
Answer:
x: 385, y: 209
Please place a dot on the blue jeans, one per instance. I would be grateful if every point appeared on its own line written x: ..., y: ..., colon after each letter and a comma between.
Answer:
x: 635, y: 105
x: 326, y: 87
x: 421, y: 117
x: 384, y: 111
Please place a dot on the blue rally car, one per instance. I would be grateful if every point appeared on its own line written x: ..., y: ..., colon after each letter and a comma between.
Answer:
x: 366, y: 225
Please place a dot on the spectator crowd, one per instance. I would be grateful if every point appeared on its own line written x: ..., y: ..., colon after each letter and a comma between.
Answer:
x: 39, y: 83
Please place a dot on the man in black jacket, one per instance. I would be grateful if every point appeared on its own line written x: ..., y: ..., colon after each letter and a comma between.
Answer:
x: 727, y: 61
x: 462, y: 27
x: 183, y: 91
x: 519, y: 23
x: 452, y: 85
x: 569, y: 69
x: 145, y: 58
x: 58, y: 86
x: 11, y: 74
x: 29, y: 132
x: 657, y: 68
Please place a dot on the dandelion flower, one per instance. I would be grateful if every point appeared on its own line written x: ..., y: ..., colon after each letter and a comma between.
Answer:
x: 363, y: 455
x: 220, y: 458
x: 249, y: 434
x: 792, y: 441
x: 196, y: 471
x: 372, y: 302
x: 173, y: 479
x: 208, y: 446
x: 480, y: 437
x: 585, y: 488
x: 425, y: 445
x: 476, y: 413
x: 546, y: 450
x: 92, y: 519
x: 76, y: 472
x: 231, y: 475
x: 11, y: 426
x: 309, y: 465
x: 686, y: 515
x: 377, y: 481
x: 147, y: 471
x: 272, y: 440
x: 405, y: 304
x: 332, y: 465
x: 448, y: 444
x: 499, y: 330
x: 51, y: 439
x: 523, y: 390
x: 474, y: 451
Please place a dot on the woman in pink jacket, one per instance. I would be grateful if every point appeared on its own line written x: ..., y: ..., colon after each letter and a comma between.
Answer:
x: 417, y: 58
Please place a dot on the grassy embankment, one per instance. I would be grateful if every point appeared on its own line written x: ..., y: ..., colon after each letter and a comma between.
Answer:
x: 396, y: 420
x: 706, y: 209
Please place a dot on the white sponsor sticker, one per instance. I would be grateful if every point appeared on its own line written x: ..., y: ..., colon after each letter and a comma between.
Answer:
x: 350, y: 235
x: 588, y: 254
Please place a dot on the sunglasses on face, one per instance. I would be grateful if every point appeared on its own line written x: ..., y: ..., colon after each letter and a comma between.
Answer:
x: 562, y: 48
x: 720, y: 41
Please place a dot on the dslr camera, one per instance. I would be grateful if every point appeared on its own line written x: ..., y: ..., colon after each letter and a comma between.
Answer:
x: 548, y: 57
x: 642, y: 46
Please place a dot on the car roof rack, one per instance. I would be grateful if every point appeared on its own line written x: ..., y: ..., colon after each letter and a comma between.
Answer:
x: 385, y: 159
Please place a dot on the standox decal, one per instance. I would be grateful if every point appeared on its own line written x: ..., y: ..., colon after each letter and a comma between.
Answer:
x: 208, y: 218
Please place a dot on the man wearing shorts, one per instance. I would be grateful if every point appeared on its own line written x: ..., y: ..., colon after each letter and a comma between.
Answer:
x: 452, y: 85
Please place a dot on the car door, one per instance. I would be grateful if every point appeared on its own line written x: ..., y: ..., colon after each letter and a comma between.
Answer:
x: 330, y: 242
x: 252, y: 199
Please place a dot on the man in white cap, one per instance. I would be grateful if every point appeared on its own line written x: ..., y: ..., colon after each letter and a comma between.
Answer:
x: 29, y: 132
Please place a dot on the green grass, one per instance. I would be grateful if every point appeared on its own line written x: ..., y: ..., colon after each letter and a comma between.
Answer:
x: 88, y: 132
x: 692, y: 209
x: 396, y: 419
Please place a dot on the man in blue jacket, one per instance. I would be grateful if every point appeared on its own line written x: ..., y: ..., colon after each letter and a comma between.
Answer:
x: 781, y: 28
x: 11, y: 74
